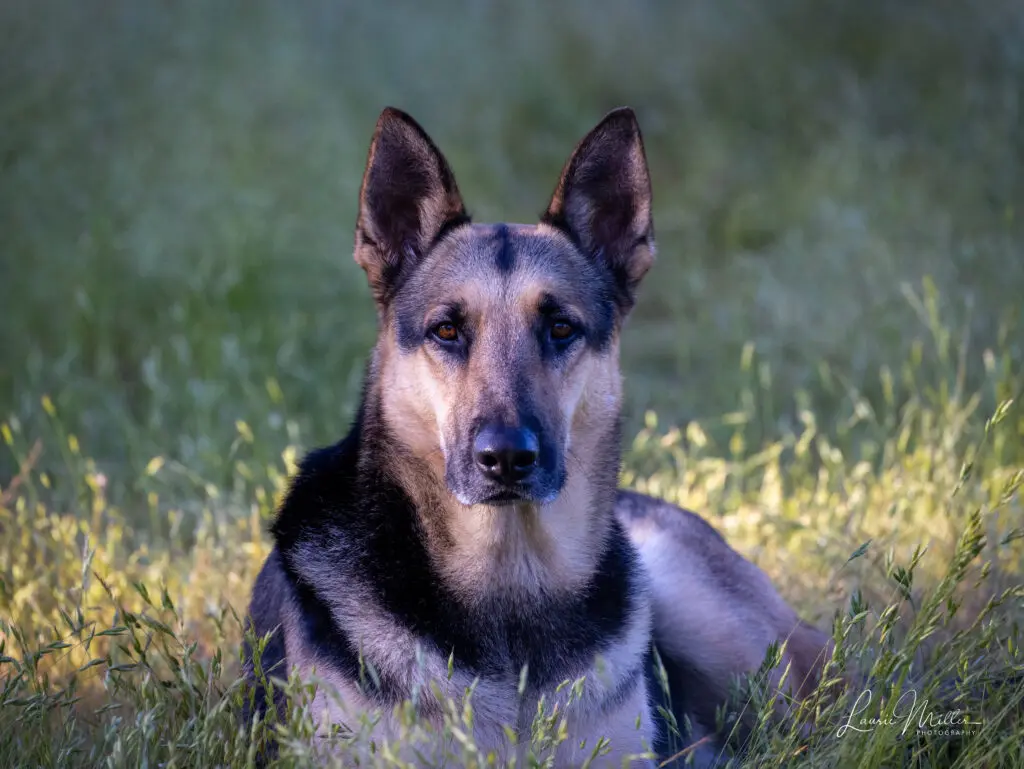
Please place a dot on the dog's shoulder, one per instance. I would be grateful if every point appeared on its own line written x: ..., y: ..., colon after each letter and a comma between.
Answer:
x: 268, y: 658
x: 269, y: 592
x: 636, y: 511
x: 679, y: 542
x: 674, y: 540
x: 322, y: 487
x: 317, y: 488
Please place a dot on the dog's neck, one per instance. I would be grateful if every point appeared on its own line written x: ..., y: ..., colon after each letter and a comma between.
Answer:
x: 482, y: 551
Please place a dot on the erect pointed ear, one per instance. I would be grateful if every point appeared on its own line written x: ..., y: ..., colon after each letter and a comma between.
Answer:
x: 603, y: 201
x: 407, y: 201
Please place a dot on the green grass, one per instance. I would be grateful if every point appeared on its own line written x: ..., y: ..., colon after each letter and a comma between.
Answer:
x: 833, y: 318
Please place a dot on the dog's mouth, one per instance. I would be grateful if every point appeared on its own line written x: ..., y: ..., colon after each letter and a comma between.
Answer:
x: 540, y: 489
x: 505, y: 497
x: 519, y: 494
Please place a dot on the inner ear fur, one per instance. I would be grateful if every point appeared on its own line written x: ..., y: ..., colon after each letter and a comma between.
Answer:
x: 603, y: 201
x: 408, y: 199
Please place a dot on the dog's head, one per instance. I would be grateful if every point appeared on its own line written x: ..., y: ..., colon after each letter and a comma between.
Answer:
x: 498, y: 352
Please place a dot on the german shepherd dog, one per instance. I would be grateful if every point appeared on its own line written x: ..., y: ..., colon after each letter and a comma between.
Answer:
x: 469, y: 530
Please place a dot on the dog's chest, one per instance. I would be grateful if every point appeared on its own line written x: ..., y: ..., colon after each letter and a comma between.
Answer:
x: 606, y: 701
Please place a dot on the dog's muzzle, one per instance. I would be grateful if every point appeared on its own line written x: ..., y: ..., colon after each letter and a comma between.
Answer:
x: 505, y: 463
x: 506, y: 455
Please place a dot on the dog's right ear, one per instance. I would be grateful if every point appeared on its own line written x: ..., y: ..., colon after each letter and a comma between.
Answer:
x: 407, y: 201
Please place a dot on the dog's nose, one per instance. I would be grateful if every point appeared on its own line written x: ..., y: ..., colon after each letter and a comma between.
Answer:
x: 506, y: 454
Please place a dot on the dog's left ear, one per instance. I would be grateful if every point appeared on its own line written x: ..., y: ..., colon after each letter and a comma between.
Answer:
x: 603, y: 201
x: 408, y: 199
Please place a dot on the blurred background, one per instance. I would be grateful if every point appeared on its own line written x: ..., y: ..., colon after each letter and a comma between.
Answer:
x: 178, y: 187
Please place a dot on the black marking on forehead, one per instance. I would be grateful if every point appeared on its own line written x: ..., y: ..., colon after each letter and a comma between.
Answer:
x: 505, y: 258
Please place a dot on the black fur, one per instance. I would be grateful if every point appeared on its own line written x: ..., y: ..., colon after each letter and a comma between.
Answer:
x: 269, y: 594
x: 506, y: 258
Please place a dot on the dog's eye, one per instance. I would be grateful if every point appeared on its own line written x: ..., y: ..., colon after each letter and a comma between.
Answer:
x: 446, y: 332
x: 561, y: 331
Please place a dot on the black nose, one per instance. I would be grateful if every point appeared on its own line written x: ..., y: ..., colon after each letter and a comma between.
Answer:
x: 506, y: 454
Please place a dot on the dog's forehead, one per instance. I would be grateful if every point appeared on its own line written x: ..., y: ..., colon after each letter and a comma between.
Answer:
x: 506, y: 261
x: 507, y: 247
x: 504, y: 274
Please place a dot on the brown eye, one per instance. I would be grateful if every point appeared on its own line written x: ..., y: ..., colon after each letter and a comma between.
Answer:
x: 562, y: 331
x: 446, y: 332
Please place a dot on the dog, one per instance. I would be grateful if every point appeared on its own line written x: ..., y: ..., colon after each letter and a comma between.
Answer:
x: 469, y: 530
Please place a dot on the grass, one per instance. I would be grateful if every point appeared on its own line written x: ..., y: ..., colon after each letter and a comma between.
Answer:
x: 831, y: 326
